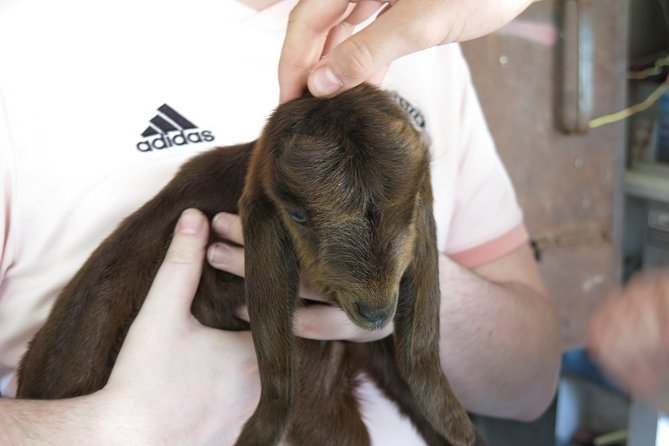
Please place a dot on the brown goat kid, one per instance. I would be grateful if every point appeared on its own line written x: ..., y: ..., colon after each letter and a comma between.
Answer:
x: 338, y: 189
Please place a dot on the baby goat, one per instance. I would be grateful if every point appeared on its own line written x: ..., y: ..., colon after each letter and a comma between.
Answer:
x: 338, y: 189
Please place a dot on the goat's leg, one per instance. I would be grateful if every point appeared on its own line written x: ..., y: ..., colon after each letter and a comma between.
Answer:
x: 378, y: 360
x: 271, y: 290
x: 417, y: 336
x: 326, y: 410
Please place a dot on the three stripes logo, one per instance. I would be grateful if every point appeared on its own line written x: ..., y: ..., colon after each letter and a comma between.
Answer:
x: 168, y: 129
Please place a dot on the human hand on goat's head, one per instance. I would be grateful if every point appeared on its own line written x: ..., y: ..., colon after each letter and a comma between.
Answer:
x: 324, y: 52
x: 318, y: 320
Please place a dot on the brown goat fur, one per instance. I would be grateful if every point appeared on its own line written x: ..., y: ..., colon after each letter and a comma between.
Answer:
x: 338, y: 188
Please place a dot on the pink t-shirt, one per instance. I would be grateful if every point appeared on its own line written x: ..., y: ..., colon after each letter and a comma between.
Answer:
x: 85, y: 106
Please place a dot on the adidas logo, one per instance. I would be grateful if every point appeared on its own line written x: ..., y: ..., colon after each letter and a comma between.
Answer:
x: 168, y: 129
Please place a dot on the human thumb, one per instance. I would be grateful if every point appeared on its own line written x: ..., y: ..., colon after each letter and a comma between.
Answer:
x: 364, y: 55
x: 176, y: 282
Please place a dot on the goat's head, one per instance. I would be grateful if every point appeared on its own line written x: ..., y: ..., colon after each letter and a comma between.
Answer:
x: 345, y: 175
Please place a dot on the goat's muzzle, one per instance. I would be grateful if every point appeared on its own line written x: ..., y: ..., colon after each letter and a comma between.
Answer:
x: 377, y: 317
x: 369, y: 314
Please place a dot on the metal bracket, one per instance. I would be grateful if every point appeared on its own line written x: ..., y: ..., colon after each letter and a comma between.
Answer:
x: 578, y: 93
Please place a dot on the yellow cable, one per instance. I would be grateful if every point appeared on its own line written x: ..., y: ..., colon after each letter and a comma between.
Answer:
x: 641, y: 106
x: 629, y: 111
x: 612, y: 438
x: 655, y: 70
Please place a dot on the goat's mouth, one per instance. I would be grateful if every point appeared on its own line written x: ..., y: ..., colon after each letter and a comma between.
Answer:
x: 368, y: 317
x: 360, y: 311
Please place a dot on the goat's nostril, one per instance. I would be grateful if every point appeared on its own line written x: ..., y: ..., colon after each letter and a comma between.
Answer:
x: 374, y: 315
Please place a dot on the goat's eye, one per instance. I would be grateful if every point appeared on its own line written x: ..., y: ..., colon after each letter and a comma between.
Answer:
x: 297, y: 216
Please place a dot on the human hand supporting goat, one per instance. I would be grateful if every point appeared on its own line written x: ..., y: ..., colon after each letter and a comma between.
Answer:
x: 168, y: 360
x: 324, y: 322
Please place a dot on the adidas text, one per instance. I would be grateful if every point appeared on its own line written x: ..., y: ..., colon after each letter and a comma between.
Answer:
x: 164, y: 141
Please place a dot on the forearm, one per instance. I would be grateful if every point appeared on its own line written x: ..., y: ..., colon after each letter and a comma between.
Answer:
x: 500, y: 344
x: 58, y: 422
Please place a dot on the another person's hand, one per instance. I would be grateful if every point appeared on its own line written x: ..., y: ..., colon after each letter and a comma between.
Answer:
x: 320, y: 50
x: 175, y: 380
x: 318, y: 322
x: 629, y: 338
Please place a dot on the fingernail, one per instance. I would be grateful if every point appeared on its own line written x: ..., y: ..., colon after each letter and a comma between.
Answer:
x: 242, y: 313
x: 190, y: 222
x: 220, y: 223
x: 218, y: 254
x: 324, y: 82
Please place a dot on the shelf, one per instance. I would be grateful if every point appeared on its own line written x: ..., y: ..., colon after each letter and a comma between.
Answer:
x: 648, y: 181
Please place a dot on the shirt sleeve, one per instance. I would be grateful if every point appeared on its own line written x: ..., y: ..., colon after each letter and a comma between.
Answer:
x: 487, y: 222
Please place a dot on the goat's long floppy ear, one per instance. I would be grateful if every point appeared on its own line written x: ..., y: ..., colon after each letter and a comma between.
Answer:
x: 417, y: 333
x: 271, y: 289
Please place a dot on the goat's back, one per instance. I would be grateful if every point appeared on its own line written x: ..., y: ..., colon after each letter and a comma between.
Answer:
x: 91, y: 317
